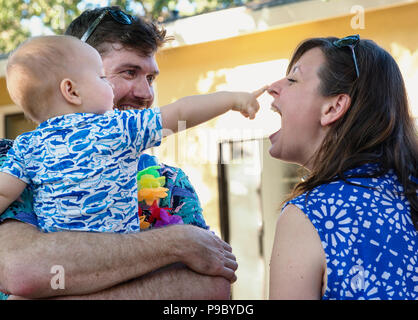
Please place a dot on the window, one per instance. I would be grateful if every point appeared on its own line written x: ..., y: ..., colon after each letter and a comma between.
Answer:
x: 252, y: 186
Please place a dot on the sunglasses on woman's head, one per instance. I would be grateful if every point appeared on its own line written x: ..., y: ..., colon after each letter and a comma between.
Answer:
x: 351, y: 42
x: 117, y: 15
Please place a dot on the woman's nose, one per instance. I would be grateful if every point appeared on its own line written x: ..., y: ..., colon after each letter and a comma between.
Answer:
x: 274, y: 89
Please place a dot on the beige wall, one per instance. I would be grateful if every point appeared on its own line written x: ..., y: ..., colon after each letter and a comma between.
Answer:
x: 4, y: 96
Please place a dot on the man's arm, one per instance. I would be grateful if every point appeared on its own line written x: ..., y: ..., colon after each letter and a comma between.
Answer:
x: 175, y: 282
x: 93, y: 262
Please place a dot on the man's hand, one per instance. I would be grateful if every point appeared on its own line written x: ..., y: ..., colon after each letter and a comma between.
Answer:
x: 205, y: 253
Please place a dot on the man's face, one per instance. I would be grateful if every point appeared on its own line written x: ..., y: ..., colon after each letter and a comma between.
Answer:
x: 132, y: 76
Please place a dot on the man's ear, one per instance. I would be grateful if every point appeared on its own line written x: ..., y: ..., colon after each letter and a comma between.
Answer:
x: 69, y: 91
x: 335, y: 109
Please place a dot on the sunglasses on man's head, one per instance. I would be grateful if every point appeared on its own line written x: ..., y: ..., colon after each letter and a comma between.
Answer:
x: 351, y: 42
x: 117, y: 15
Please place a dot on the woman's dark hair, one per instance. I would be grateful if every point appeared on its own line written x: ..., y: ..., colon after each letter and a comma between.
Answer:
x: 142, y: 36
x: 377, y: 128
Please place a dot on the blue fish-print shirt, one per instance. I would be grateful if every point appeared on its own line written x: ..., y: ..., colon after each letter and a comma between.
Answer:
x: 82, y: 168
x: 370, y: 243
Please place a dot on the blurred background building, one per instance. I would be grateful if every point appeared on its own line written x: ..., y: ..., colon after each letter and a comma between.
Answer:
x: 243, y: 48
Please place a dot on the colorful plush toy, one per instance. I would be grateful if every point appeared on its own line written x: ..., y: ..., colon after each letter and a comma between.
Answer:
x: 151, y: 190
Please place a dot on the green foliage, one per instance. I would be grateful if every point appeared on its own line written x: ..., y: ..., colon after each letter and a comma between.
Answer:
x: 57, y: 14
x: 11, y: 31
x: 162, y: 9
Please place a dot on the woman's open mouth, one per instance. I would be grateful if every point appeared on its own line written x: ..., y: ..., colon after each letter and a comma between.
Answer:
x: 271, y: 137
x: 275, y: 108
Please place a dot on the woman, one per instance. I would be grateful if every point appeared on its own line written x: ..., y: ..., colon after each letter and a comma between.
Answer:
x: 347, y: 230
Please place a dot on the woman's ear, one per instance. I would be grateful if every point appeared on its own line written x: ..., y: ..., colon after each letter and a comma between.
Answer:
x: 335, y: 109
x: 69, y: 91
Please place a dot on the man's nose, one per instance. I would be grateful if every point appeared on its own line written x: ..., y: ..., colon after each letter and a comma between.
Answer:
x: 143, y: 89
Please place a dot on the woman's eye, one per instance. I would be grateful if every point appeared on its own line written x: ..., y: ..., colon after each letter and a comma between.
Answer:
x: 291, y: 80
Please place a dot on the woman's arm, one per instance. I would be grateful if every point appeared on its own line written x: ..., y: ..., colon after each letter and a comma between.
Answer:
x: 93, y: 262
x: 298, y: 262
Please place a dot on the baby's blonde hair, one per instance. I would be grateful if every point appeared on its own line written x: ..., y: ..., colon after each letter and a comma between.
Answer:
x: 35, y: 69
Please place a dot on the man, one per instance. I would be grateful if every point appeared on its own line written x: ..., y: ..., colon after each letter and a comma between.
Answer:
x: 180, y: 261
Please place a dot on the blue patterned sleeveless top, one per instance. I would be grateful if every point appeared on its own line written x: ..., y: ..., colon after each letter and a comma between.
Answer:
x: 370, y: 243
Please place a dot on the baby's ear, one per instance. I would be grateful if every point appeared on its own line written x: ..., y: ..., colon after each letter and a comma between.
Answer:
x: 69, y: 91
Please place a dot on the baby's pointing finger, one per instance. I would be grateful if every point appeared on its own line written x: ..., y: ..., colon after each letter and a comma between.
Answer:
x: 260, y: 91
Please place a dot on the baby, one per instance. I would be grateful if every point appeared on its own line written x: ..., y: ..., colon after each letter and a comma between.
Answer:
x: 81, y: 161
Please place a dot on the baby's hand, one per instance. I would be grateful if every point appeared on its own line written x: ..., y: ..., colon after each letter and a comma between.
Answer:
x: 247, y: 104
